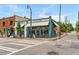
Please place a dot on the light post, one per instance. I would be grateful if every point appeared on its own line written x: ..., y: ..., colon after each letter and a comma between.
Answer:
x: 59, y: 20
x: 78, y: 15
x: 28, y: 7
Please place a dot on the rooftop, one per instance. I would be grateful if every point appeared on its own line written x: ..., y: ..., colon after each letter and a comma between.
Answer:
x: 17, y: 18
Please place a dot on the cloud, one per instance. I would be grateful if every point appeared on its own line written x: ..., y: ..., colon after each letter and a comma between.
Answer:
x: 42, y: 16
x: 44, y: 11
x: 16, y: 10
x: 56, y: 17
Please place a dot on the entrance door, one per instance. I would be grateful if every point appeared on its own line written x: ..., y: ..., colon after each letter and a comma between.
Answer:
x: 37, y: 33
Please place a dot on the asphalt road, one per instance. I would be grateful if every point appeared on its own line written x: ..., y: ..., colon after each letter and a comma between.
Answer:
x: 10, y: 46
x: 68, y: 45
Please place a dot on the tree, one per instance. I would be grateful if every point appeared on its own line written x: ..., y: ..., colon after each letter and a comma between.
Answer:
x: 19, y: 30
x: 66, y: 27
x: 77, y: 26
x: 1, y: 32
x: 71, y: 27
x: 62, y: 27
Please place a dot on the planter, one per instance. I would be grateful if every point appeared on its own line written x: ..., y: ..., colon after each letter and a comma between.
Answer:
x: 77, y: 34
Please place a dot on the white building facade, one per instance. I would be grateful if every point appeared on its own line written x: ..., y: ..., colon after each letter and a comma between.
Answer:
x: 22, y: 21
x: 41, y: 28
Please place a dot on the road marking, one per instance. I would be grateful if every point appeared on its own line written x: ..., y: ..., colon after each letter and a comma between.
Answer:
x: 7, y: 49
x: 19, y: 44
x: 28, y: 47
x: 4, y: 41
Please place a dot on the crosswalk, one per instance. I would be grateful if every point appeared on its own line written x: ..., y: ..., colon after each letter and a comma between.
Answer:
x: 28, y: 47
x: 12, y: 46
x: 8, y: 49
x: 11, y: 49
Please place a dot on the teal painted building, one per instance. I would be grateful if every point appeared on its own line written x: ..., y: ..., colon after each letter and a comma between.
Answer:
x: 42, y: 28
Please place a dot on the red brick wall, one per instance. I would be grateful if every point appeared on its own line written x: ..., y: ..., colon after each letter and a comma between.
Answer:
x: 7, y: 22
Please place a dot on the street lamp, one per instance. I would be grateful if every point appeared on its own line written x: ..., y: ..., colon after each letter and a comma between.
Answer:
x: 59, y: 20
x: 28, y: 7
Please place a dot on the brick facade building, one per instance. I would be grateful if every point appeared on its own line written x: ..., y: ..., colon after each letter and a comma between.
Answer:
x: 8, y: 25
x: 44, y: 27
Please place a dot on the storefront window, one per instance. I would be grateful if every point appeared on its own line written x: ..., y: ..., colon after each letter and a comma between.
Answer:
x: 37, y: 32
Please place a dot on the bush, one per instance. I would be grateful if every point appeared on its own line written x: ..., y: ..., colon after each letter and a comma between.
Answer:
x: 66, y: 27
x: 77, y: 26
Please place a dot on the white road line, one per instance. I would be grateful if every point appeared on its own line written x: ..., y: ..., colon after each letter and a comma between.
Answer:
x: 28, y: 47
x: 4, y: 41
x: 19, y: 44
x: 7, y: 49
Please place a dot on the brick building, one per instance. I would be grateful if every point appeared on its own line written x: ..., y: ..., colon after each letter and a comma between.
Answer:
x: 44, y: 27
x: 7, y: 25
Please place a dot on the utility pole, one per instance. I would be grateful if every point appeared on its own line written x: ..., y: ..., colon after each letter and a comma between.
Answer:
x: 78, y: 15
x: 28, y: 7
x: 66, y: 21
x: 59, y: 20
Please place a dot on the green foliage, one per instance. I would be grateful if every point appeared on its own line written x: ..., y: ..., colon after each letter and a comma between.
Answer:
x: 1, y: 32
x: 66, y: 27
x: 71, y: 27
x: 62, y: 27
x: 19, y: 29
x: 77, y: 26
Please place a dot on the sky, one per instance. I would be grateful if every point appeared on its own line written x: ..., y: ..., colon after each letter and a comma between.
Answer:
x: 41, y: 11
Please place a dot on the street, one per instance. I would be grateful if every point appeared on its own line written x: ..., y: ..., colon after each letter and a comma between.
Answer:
x: 10, y: 46
x: 67, y: 45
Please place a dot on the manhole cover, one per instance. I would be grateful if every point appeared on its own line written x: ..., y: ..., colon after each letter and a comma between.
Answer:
x: 52, y: 53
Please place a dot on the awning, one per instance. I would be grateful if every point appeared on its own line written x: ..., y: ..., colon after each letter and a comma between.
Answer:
x: 38, y: 24
x: 56, y: 24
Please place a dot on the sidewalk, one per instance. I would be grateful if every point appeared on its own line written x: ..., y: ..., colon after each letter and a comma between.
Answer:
x: 42, y: 39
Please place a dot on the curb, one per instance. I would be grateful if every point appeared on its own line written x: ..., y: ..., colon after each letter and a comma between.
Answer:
x: 56, y: 38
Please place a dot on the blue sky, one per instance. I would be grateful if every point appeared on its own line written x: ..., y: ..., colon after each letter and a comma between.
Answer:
x: 41, y: 11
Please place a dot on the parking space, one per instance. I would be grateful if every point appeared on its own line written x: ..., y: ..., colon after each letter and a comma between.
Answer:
x: 9, y: 46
